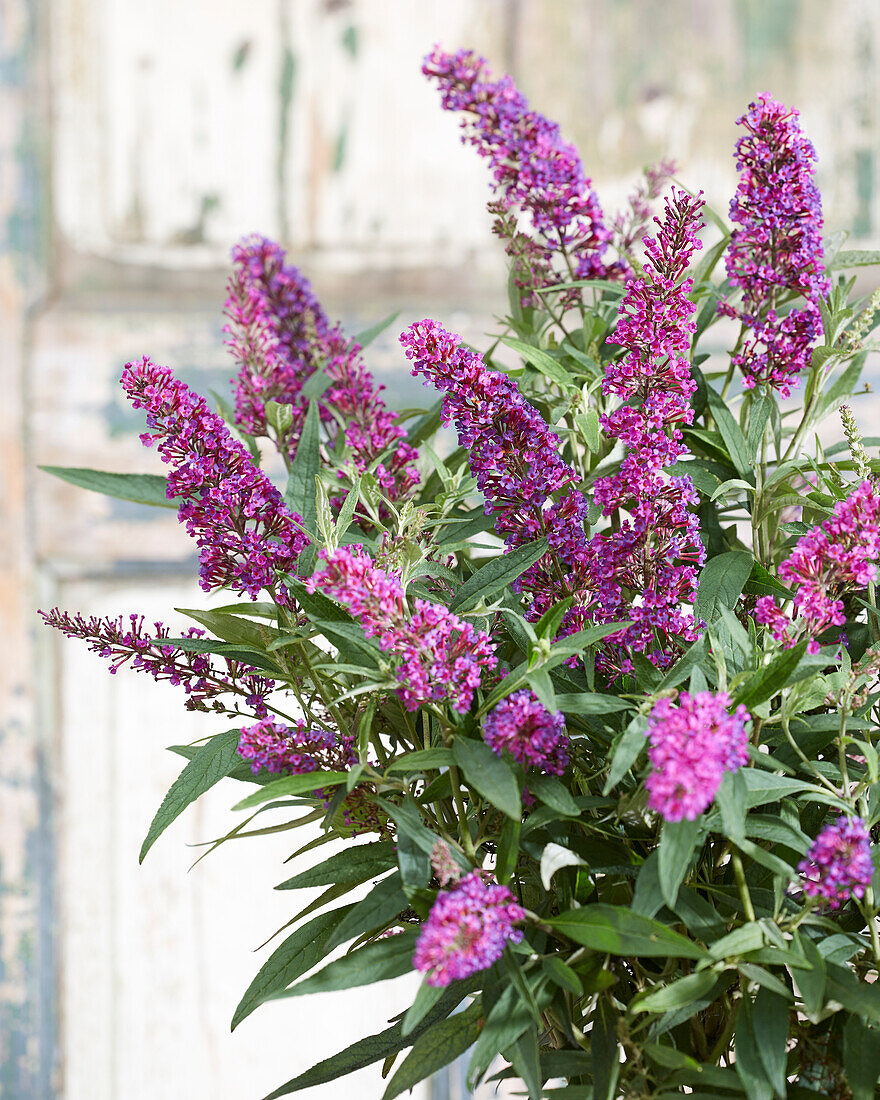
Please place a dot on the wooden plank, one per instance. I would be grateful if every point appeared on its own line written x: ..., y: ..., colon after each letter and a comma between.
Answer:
x: 27, y: 1021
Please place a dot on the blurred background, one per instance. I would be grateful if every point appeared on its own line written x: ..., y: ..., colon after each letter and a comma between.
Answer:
x: 138, y: 141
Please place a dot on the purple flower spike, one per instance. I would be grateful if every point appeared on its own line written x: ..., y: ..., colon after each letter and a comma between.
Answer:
x: 692, y: 745
x: 778, y: 247
x: 248, y: 540
x: 529, y: 732
x: 657, y: 550
x: 467, y: 930
x: 513, y: 455
x: 838, y: 865
x: 297, y: 750
x: 533, y: 171
x: 127, y: 645
x: 281, y: 336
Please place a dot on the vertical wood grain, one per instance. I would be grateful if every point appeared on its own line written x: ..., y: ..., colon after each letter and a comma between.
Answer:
x: 27, y: 1032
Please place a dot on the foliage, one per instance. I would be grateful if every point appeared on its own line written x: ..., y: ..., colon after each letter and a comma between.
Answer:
x: 451, y: 699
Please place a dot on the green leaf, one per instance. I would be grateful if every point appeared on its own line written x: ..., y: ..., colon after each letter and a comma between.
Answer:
x: 573, y: 644
x: 426, y: 997
x: 354, y: 864
x: 368, y: 335
x: 507, y: 1019
x: 861, y: 1058
x: 231, y: 651
x: 526, y: 1059
x: 721, y: 582
x: 766, y: 682
x: 811, y: 983
x: 759, y: 414
x: 553, y: 794
x: 619, y: 931
x: 588, y: 702
x: 232, y: 628
x: 677, y: 843
x: 496, y: 575
x: 859, y: 997
x: 383, y: 903
x: 302, y: 950
x: 561, y: 974
x: 856, y: 258
x: 507, y: 854
x: 675, y: 995
x: 770, y: 1020
x: 374, y: 962
x: 299, y: 495
x: 291, y: 785
x: 140, y: 488
x: 749, y: 1065
x: 541, y: 360
x: 762, y: 583
x: 488, y: 774
x: 731, y: 433
x: 604, y: 1049
x: 421, y: 760
x: 630, y: 746
x: 669, y: 1057
x: 211, y: 763
x: 434, y: 1049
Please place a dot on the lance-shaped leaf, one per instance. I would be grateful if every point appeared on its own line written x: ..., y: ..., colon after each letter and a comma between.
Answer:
x: 434, y: 1049
x: 488, y: 774
x: 619, y: 931
x: 497, y: 574
x: 140, y: 488
x: 211, y: 763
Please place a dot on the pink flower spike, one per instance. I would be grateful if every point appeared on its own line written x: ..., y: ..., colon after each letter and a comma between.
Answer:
x: 248, y: 539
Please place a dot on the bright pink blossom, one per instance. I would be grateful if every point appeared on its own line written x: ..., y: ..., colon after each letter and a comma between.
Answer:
x: 692, y: 745
x: 127, y: 645
x: 838, y: 865
x: 297, y: 750
x: 534, y: 170
x: 528, y: 731
x: 467, y: 930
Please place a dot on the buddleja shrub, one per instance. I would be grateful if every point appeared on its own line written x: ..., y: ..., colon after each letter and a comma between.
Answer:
x: 588, y: 706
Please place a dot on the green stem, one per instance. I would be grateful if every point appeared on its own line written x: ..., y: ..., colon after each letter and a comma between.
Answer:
x: 742, y: 886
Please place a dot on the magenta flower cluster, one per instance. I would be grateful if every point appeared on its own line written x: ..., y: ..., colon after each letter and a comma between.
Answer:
x: 777, y: 249
x: 838, y: 865
x: 831, y: 560
x: 281, y: 336
x: 528, y: 731
x: 294, y: 750
x: 513, y: 455
x: 648, y: 567
x: 534, y: 170
x: 127, y: 644
x: 439, y: 656
x: 691, y: 747
x: 248, y: 540
x: 467, y: 930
